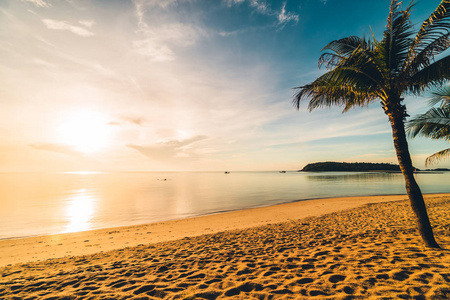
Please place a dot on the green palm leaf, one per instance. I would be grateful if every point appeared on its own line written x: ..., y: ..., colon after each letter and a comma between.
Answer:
x: 361, y: 71
x: 353, y: 80
x: 432, y: 38
x: 437, y: 157
x: 441, y: 95
x: 433, y: 75
x: 342, y: 49
x: 435, y: 26
x: 434, y: 124
x: 397, y: 38
x: 423, y: 58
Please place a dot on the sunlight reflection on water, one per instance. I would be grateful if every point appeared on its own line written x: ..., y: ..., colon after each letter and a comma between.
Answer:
x: 79, y: 211
x: 39, y: 204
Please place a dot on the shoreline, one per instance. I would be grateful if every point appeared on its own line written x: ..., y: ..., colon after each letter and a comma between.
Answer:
x: 39, y: 248
x: 371, y: 251
x: 212, y: 213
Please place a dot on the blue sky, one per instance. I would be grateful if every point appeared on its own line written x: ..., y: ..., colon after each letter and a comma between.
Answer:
x: 181, y: 85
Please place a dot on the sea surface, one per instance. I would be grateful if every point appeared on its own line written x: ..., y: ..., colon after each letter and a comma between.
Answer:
x: 34, y: 204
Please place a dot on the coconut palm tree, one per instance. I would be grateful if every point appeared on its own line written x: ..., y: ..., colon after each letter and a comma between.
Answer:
x: 362, y: 71
x: 435, y: 123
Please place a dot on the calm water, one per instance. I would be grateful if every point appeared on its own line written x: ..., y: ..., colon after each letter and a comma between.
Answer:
x: 38, y: 204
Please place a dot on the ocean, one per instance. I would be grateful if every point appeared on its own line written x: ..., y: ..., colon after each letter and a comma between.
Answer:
x: 35, y: 204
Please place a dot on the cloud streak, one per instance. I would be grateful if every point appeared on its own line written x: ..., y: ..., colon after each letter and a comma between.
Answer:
x: 260, y: 6
x: 153, y: 3
x: 58, y: 148
x: 139, y: 121
x: 170, y: 149
x: 87, y: 23
x: 159, y: 42
x: 286, y: 17
x: 38, y: 3
x: 63, y: 25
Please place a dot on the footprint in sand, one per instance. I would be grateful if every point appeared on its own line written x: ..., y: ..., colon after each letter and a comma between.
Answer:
x: 305, y: 280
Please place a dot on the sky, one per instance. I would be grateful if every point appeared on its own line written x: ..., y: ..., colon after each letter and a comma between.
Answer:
x: 183, y: 85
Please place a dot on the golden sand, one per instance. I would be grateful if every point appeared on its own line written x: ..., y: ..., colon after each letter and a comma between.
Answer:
x: 89, y: 242
x: 368, y: 252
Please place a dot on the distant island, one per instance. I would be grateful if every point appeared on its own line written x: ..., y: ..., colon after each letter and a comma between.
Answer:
x: 350, y: 167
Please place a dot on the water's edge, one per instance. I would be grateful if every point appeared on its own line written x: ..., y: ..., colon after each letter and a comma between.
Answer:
x: 209, y: 214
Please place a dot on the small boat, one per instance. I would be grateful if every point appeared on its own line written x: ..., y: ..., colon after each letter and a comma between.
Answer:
x: 226, y: 172
x: 282, y: 171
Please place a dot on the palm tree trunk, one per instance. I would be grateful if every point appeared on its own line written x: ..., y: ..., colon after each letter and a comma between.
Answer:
x: 412, y: 188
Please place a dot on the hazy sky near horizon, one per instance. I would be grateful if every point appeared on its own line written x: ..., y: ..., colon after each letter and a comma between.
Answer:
x: 177, y: 85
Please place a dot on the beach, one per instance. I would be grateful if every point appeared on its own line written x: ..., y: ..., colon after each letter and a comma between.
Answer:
x: 340, y: 248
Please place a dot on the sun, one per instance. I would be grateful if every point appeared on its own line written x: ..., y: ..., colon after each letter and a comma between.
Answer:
x: 85, y: 131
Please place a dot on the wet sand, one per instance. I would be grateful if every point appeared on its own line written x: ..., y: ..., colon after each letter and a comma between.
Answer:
x: 329, y: 248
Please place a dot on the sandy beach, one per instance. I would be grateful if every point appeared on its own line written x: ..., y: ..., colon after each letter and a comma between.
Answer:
x: 340, y: 248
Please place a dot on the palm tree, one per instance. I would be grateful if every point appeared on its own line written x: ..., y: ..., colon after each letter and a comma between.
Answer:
x: 435, y: 123
x: 362, y: 71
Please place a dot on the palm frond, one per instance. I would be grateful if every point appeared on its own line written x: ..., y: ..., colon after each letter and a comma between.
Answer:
x: 430, y: 160
x: 441, y: 95
x: 424, y: 58
x: 433, y: 75
x: 346, y: 45
x: 354, y: 78
x: 397, y: 38
x: 342, y: 48
x: 435, y: 124
x: 343, y: 86
x: 331, y: 60
x: 325, y: 94
x: 433, y: 28
x: 432, y: 39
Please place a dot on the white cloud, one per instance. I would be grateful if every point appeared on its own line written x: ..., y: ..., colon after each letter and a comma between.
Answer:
x: 139, y: 121
x: 262, y: 7
x: 284, y: 17
x: 169, y: 149
x: 87, y: 23
x: 135, y: 120
x: 259, y: 5
x: 153, y: 49
x: 159, y: 42
x: 152, y: 3
x: 63, y: 25
x: 38, y: 3
x: 142, y: 5
x: 44, y: 63
x: 32, y: 12
x: 58, y: 148
x: 56, y: 52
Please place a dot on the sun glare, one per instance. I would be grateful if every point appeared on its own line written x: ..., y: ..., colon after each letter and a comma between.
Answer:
x: 86, y: 131
x: 79, y: 211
